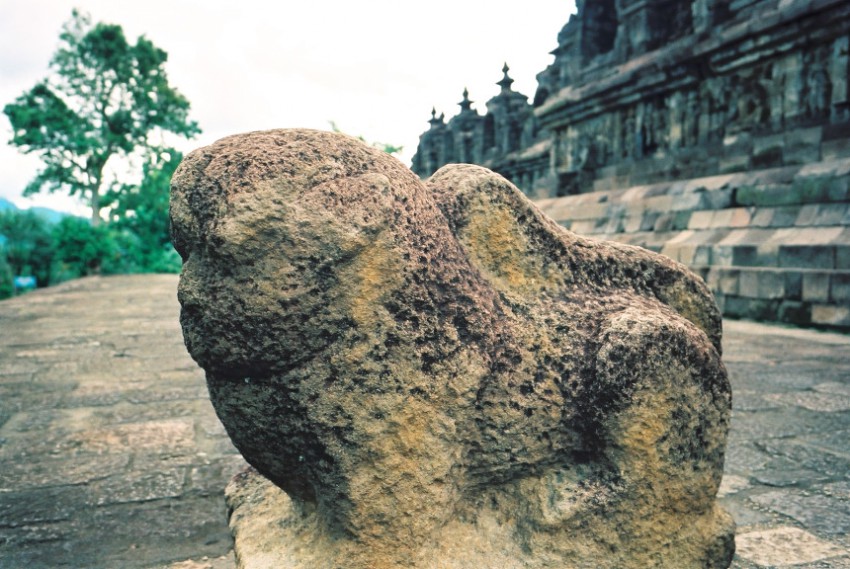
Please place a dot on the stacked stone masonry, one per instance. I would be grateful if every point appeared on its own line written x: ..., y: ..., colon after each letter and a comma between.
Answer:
x: 714, y: 131
x: 772, y: 245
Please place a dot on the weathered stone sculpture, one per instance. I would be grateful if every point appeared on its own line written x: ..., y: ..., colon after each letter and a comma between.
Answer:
x: 440, y: 376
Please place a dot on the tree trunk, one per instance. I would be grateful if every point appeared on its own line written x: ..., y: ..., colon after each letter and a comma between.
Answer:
x: 95, y: 209
x: 95, y: 192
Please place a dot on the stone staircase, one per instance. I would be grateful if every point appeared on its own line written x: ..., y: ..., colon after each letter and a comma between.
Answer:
x: 772, y: 244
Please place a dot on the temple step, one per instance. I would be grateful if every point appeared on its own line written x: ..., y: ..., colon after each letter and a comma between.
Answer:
x: 772, y: 244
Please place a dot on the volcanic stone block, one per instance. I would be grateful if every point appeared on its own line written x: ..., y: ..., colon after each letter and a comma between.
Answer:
x: 816, y: 286
x: 807, y: 256
x: 768, y: 195
x: 835, y: 149
x: 767, y: 151
x: 839, y: 290
x: 437, y: 374
x: 831, y: 315
x: 802, y: 146
x: 760, y: 283
x: 815, y: 189
x: 793, y: 284
x: 795, y: 312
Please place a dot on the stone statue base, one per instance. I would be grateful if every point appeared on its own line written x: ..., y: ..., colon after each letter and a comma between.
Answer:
x: 271, y: 532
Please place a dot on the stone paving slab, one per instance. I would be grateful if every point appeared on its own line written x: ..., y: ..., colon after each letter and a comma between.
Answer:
x: 111, y: 455
x: 787, y: 480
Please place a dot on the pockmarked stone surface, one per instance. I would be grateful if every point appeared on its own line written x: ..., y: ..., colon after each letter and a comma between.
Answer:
x: 437, y: 375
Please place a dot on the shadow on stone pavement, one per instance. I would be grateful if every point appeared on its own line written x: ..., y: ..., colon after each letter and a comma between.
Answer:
x: 111, y: 455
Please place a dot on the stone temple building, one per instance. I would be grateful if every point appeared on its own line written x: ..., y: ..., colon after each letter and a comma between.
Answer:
x: 713, y: 131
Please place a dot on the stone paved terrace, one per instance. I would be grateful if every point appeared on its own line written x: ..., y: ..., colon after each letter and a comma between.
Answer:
x: 111, y: 455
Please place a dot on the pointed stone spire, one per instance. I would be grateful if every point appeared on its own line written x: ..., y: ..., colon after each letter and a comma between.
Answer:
x: 435, y: 121
x: 506, y: 81
x: 466, y: 104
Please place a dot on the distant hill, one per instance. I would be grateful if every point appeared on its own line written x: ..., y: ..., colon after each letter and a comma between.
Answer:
x: 6, y: 205
x: 49, y: 215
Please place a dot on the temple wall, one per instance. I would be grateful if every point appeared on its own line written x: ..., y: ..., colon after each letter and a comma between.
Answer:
x: 773, y: 244
x: 713, y: 131
x: 763, y: 91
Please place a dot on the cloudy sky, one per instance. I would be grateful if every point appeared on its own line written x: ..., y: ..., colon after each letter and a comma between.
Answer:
x: 375, y: 67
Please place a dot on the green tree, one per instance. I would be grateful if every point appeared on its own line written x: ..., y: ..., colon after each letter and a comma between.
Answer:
x: 142, y: 210
x: 7, y: 286
x: 81, y: 249
x: 105, y: 99
x: 27, y: 245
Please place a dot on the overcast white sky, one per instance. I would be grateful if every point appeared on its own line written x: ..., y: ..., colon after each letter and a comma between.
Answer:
x: 375, y: 67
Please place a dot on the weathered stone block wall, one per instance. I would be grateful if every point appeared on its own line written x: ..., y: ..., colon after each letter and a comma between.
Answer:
x: 772, y: 244
x: 749, y: 98
x: 765, y: 87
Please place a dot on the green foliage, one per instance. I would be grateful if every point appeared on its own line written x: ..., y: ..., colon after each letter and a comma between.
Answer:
x: 142, y: 210
x: 135, y: 241
x: 81, y: 249
x: 28, y: 246
x: 7, y: 286
x: 104, y: 99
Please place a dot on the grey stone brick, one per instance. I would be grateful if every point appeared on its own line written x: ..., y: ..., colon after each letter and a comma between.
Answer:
x: 752, y: 308
x: 735, y: 306
x: 763, y: 284
x: 664, y: 222
x: 734, y: 162
x: 741, y: 216
x: 795, y: 312
x: 702, y: 255
x: 730, y: 281
x: 817, y: 189
x: 835, y: 190
x: 755, y: 255
x: 793, y: 285
x: 831, y: 315
x: 784, y: 216
x: 816, y: 287
x: 648, y: 220
x: 807, y: 256
x: 802, y: 146
x: 762, y: 217
x: 842, y: 257
x: 771, y: 284
x: 808, y: 215
x: 745, y: 255
x: 832, y: 214
x: 701, y: 219
x: 722, y: 255
x: 681, y: 220
x: 768, y: 195
x: 716, y: 199
x: 767, y: 151
x: 723, y: 281
x: 632, y: 223
x: 685, y: 202
x: 834, y: 149
x: 839, y: 288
